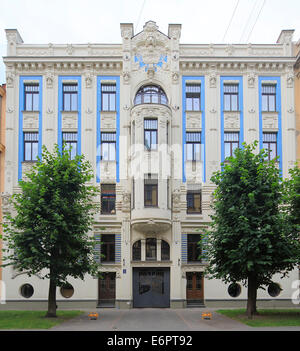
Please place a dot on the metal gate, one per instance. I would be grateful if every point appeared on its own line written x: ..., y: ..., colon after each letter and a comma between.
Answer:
x: 151, y: 287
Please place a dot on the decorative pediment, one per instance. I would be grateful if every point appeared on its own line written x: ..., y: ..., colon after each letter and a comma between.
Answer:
x: 150, y: 47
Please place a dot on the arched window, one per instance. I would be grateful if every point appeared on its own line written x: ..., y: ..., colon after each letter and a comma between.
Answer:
x: 151, y: 249
x: 150, y: 94
x: 165, y: 251
x: 137, y: 251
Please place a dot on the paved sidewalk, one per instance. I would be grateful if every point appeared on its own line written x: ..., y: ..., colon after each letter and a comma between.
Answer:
x: 157, y: 319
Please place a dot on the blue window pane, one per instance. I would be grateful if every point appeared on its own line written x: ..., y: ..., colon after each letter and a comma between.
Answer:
x: 74, y: 102
x: 27, y: 156
x: 153, y: 140
x: 28, y: 102
x: 147, y: 139
x: 112, y: 151
x: 105, y: 151
x: 234, y: 101
x: 264, y: 103
x: 189, y: 152
x: 35, y: 102
x: 272, y: 103
x: 227, y: 150
x: 67, y: 105
x: 105, y: 102
x: 197, y: 155
x: 34, y: 151
x: 112, y: 105
x: 196, y: 104
x: 226, y: 102
x: 189, y: 104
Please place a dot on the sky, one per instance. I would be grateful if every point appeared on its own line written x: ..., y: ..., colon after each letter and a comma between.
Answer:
x: 98, y: 21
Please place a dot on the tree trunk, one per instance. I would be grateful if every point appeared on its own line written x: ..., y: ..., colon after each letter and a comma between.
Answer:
x: 52, y: 300
x: 252, y: 295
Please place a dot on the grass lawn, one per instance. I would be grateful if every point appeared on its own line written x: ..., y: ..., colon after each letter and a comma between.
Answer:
x: 266, y: 317
x: 33, y: 319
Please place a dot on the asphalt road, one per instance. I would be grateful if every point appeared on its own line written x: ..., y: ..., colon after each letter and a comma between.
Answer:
x: 157, y: 319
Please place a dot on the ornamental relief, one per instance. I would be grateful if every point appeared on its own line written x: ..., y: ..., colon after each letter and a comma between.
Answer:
x: 193, y: 120
x: 231, y: 120
x: 30, y: 121
x: 270, y: 122
x: 108, y: 120
x: 69, y: 121
x: 150, y: 48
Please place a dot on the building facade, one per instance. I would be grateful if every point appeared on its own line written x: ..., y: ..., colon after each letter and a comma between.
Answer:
x: 297, y: 95
x: 155, y: 118
x: 2, y: 166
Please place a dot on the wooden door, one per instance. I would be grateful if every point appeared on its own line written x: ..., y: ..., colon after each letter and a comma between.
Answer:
x: 107, y: 289
x: 194, y: 286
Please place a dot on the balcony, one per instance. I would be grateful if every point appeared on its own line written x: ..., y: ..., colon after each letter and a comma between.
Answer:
x: 151, y: 220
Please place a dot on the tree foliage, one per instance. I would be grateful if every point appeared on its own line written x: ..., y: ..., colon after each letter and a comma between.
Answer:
x: 248, y: 241
x: 49, y: 232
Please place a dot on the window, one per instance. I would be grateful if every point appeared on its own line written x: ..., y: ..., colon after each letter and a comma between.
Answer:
x: 108, y: 146
x: 108, y: 97
x: 193, y: 142
x: 108, y: 198
x: 193, y: 248
x: 137, y: 251
x: 150, y: 94
x: 231, y: 142
x: 165, y: 251
x: 26, y: 290
x: 270, y: 145
x: 70, y: 141
x: 193, y: 201
x: 268, y: 97
x: 31, y: 142
x: 192, y: 97
x: 108, y: 248
x: 151, y: 249
x: 231, y: 95
x: 150, y: 191
x: 67, y: 290
x: 31, y: 101
x: 234, y: 290
x: 70, y: 93
x: 150, y: 134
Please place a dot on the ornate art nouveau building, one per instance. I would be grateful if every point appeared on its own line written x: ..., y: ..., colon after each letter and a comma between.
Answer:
x: 155, y: 118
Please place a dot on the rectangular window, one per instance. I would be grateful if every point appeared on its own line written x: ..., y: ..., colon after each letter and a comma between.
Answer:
x: 151, y: 249
x: 150, y: 191
x: 108, y: 248
x: 70, y: 97
x: 193, y: 146
x: 31, y: 101
x: 108, y: 198
x: 192, y: 97
x: 194, y: 201
x: 108, y: 97
x: 70, y: 141
x: 31, y: 143
x: 150, y: 134
x: 108, y: 146
x: 231, y: 97
x: 231, y: 142
x: 270, y: 144
x: 193, y: 247
x: 268, y: 97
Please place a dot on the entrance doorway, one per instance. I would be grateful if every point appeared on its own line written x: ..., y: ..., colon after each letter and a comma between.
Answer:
x: 194, y: 288
x: 107, y: 290
x: 151, y: 287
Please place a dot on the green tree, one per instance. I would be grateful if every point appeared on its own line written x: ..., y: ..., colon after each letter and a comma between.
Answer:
x: 49, y: 233
x: 248, y: 241
x: 292, y: 198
